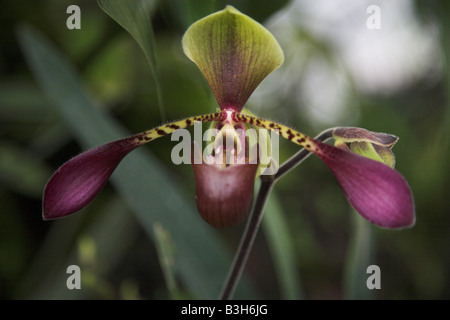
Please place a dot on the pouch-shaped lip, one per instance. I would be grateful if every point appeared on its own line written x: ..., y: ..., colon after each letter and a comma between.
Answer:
x: 224, y: 194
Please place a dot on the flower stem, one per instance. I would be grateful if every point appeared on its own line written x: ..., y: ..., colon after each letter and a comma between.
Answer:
x: 247, y: 240
x: 254, y: 221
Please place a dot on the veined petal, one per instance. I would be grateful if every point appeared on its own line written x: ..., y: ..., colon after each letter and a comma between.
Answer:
x: 76, y: 183
x: 378, y: 192
x: 234, y: 53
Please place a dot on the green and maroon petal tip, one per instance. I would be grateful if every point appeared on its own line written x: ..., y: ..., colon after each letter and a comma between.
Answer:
x: 373, y: 145
x: 378, y: 192
x: 77, y: 182
x: 353, y: 134
x: 234, y: 53
x: 374, y: 151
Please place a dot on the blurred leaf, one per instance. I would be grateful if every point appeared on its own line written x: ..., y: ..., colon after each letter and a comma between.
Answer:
x: 129, y: 291
x: 15, y: 244
x: 187, y: 11
x: 282, y: 249
x: 260, y: 12
x: 359, y: 257
x: 95, y: 32
x: 148, y: 187
x: 46, y: 276
x: 22, y: 101
x: 48, y: 139
x: 134, y: 16
x: 166, y: 253
x: 87, y: 251
x: 22, y: 172
x: 110, y: 73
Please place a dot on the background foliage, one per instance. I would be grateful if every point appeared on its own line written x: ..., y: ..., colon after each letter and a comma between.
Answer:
x: 304, y: 249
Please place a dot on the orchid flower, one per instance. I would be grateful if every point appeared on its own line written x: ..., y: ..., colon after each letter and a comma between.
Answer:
x: 234, y: 54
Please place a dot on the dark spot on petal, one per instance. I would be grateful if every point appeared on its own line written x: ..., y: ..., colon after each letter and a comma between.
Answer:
x: 161, y: 132
x: 291, y: 136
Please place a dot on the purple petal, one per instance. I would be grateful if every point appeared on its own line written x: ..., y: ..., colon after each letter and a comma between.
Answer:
x: 379, y: 193
x: 76, y: 183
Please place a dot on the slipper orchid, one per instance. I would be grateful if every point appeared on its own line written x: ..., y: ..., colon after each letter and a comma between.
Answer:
x: 235, y: 53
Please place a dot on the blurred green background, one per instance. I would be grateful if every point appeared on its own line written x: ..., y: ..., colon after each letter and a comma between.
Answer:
x: 338, y: 72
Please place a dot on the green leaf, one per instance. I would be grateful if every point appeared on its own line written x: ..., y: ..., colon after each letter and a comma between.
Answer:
x: 46, y: 276
x: 166, y: 252
x: 148, y: 187
x: 22, y: 102
x: 187, y: 12
x: 360, y: 255
x: 21, y: 171
x: 281, y: 247
x: 234, y: 53
x: 134, y: 16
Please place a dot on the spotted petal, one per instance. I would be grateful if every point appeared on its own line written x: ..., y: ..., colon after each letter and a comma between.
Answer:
x: 378, y: 192
x: 234, y: 53
x: 79, y: 180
